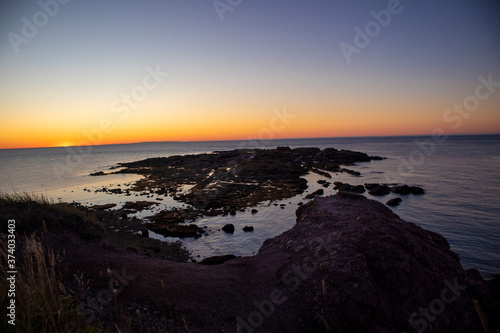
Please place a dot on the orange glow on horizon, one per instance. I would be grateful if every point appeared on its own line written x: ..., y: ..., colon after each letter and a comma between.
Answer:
x: 251, y: 123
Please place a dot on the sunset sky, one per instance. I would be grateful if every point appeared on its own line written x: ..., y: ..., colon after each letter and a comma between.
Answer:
x: 271, y: 68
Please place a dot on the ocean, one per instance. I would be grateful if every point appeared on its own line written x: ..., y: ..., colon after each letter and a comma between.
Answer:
x: 460, y: 174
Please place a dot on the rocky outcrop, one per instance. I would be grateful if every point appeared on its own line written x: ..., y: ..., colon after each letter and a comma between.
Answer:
x: 405, y: 190
x: 380, y: 190
x: 348, y: 265
x: 394, y: 202
x: 315, y: 193
x: 240, y: 178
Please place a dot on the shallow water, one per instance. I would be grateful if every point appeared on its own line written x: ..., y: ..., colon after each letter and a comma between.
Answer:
x: 461, y: 177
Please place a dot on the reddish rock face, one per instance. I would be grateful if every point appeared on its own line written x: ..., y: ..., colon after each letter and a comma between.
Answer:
x: 348, y: 265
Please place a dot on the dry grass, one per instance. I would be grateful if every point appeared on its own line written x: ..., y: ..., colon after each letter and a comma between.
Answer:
x: 42, y: 304
x: 39, y: 213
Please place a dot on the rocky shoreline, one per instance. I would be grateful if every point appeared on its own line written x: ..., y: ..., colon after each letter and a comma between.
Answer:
x: 223, y: 183
x: 348, y: 265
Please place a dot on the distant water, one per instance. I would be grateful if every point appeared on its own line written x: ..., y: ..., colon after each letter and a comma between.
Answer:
x: 461, y: 176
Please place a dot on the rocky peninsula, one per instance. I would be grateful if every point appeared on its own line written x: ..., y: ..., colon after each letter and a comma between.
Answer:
x: 349, y: 264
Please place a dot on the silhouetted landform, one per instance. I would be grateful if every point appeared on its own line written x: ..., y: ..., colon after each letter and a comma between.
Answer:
x: 348, y: 265
x: 240, y: 178
x: 225, y: 182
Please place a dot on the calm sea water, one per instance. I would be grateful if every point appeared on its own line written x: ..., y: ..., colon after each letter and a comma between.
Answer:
x: 461, y: 176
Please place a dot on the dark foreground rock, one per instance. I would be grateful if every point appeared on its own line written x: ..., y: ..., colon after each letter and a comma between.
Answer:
x: 348, y: 265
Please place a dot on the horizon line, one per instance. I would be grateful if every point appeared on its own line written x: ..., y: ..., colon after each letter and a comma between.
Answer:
x: 232, y: 140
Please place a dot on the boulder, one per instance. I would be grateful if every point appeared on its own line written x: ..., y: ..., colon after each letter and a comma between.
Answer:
x: 417, y: 190
x: 371, y: 186
x: 394, y: 202
x: 358, y: 189
x: 315, y: 193
x: 229, y: 228
x: 405, y: 190
x: 380, y: 190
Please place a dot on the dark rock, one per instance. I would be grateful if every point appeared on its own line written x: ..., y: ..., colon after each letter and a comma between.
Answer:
x: 358, y: 189
x: 99, y: 173
x: 229, y: 228
x: 394, y: 202
x: 378, y: 263
x: 248, y: 228
x: 401, y: 189
x: 283, y: 149
x: 315, y: 193
x: 232, y: 212
x: 217, y: 260
x: 351, y: 172
x: 145, y: 233
x: 321, y: 181
x: 254, y: 211
x: 344, y: 188
x: 322, y: 173
x: 370, y: 187
x: 175, y: 230
x: 405, y: 190
x: 417, y: 190
x: 102, y: 207
x: 380, y: 190
x: 138, y: 205
x: 325, y: 185
x: 239, y: 178
x: 336, y: 185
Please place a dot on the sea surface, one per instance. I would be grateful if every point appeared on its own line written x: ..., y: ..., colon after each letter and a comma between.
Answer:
x: 461, y: 176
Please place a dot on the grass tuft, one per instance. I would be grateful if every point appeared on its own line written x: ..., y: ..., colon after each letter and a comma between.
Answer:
x: 42, y: 304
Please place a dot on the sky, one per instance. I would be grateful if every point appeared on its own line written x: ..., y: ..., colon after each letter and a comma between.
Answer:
x: 121, y: 71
